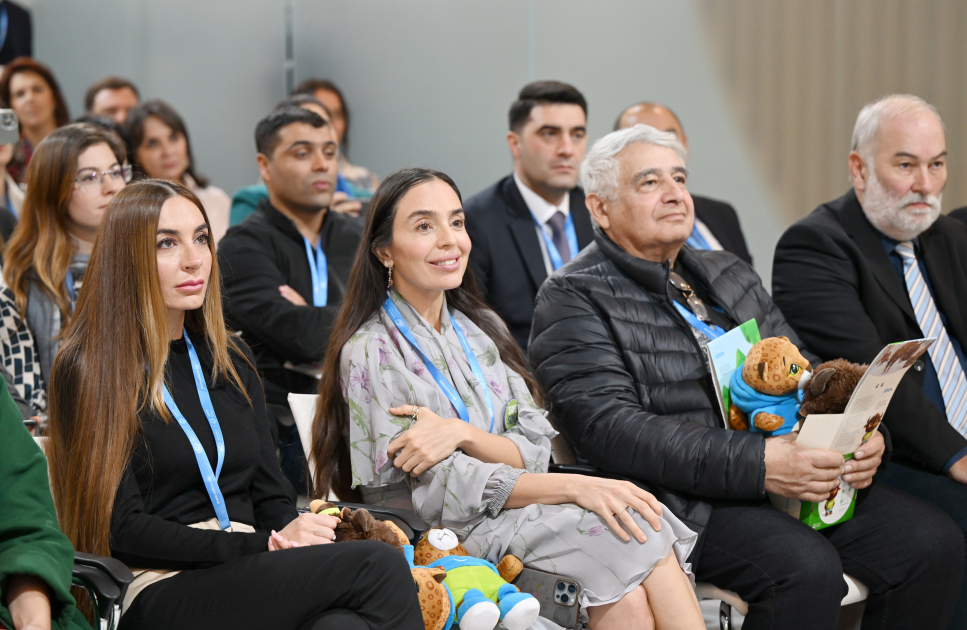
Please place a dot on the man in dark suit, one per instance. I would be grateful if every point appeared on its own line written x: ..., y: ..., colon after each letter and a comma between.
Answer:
x: 534, y: 220
x: 16, y: 33
x: 844, y: 277
x: 716, y: 223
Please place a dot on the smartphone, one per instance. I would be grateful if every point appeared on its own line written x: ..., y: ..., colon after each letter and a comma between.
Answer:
x: 558, y: 595
x: 9, y: 127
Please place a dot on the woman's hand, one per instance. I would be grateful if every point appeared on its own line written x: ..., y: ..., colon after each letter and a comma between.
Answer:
x: 342, y: 204
x: 28, y: 602
x: 428, y: 442
x: 610, y: 498
x: 306, y: 529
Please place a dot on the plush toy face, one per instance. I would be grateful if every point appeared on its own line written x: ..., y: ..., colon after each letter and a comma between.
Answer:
x: 774, y: 366
x: 426, y: 551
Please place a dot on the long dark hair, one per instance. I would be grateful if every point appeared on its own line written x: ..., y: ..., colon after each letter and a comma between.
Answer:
x: 365, y: 294
x: 134, y: 130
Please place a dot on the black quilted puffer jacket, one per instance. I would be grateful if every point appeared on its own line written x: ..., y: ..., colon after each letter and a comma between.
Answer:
x: 628, y: 384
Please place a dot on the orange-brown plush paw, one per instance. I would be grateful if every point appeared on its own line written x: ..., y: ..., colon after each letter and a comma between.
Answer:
x: 737, y: 419
x: 768, y: 422
x: 432, y: 593
x: 509, y: 568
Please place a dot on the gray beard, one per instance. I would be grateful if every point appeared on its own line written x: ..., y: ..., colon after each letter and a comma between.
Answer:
x: 889, y: 213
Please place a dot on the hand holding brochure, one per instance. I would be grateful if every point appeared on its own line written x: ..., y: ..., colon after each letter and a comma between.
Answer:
x: 845, y: 432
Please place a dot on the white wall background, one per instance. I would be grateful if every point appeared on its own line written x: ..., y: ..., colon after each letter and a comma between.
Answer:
x: 428, y: 82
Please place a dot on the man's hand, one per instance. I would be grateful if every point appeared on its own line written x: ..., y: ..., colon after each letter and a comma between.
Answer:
x: 800, y: 473
x: 292, y: 295
x: 860, y: 470
x: 958, y: 472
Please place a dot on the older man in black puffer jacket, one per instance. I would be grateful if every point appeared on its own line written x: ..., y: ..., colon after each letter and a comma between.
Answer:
x: 619, y: 348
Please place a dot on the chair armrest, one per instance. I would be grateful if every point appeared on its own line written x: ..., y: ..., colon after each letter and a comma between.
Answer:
x: 409, y: 519
x: 106, y: 593
x: 112, y: 567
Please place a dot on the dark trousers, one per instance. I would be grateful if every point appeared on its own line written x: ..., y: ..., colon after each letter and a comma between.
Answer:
x: 946, y: 494
x: 364, y: 585
x: 908, y: 552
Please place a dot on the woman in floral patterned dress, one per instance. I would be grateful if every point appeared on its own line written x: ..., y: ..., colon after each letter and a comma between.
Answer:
x: 426, y: 403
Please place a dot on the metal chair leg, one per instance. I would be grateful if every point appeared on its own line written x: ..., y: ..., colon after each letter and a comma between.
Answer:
x: 725, y: 616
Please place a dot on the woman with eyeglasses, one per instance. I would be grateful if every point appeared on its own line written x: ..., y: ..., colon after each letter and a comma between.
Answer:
x: 158, y: 139
x: 73, y: 175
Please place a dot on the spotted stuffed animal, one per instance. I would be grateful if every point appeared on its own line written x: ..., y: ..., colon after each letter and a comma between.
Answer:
x: 479, y: 593
x: 767, y: 387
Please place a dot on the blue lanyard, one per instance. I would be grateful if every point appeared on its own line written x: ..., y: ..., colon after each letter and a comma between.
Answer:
x: 211, y: 478
x: 320, y: 274
x: 696, y: 240
x: 709, y: 330
x: 572, y: 241
x: 441, y: 380
x: 69, y: 281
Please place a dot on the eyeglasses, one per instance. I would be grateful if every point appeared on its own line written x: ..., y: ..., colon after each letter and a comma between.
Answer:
x: 118, y: 174
x: 695, y: 303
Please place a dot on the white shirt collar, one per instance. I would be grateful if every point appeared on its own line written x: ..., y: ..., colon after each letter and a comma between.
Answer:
x: 540, y: 208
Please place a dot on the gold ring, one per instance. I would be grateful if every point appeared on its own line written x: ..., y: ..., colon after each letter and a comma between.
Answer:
x: 416, y: 414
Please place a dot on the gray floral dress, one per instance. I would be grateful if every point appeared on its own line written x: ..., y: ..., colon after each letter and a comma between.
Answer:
x: 379, y: 369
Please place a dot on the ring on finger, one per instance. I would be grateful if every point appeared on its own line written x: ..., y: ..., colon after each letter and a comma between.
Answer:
x: 416, y: 414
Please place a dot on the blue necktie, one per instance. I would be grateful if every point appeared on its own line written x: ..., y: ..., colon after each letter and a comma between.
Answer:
x: 953, y: 384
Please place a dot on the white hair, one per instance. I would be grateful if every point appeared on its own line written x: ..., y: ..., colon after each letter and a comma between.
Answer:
x: 869, y: 119
x: 599, y: 170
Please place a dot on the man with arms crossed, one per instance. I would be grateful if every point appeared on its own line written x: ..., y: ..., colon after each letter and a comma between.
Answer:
x: 285, y: 266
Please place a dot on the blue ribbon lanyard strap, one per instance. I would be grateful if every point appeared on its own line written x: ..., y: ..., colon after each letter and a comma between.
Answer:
x: 69, y: 281
x: 572, y: 241
x: 709, y: 330
x: 319, y: 271
x: 442, y: 381
x: 210, y: 477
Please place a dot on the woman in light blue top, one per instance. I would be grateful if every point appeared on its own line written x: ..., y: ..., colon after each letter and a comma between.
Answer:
x: 426, y: 402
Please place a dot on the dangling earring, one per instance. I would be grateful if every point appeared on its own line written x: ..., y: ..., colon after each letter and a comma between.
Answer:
x: 390, y: 283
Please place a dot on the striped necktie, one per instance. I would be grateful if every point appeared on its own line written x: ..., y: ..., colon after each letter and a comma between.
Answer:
x: 953, y: 384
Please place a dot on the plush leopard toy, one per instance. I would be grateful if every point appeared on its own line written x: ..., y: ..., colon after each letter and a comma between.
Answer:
x: 767, y: 387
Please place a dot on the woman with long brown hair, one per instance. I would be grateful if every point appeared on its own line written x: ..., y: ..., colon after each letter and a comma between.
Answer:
x: 426, y: 402
x: 29, y: 88
x: 160, y: 451
x: 74, y: 174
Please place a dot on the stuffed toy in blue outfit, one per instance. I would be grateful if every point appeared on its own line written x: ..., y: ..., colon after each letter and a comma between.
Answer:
x: 766, y: 388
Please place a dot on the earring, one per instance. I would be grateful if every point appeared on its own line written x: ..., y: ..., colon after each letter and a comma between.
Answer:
x: 390, y: 283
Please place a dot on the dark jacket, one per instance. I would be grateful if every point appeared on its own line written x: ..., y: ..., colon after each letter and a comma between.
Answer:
x: 20, y: 34
x: 256, y: 257
x: 960, y: 214
x: 629, y: 385
x: 723, y: 222
x: 506, y: 256
x: 835, y: 284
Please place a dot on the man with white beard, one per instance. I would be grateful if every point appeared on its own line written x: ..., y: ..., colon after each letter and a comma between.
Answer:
x: 880, y: 265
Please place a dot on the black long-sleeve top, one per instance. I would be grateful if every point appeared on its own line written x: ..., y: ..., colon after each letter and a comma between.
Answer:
x: 256, y: 257
x: 162, y: 491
